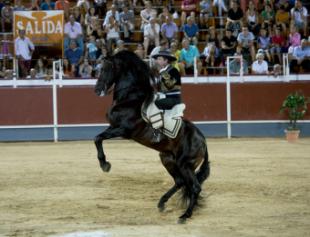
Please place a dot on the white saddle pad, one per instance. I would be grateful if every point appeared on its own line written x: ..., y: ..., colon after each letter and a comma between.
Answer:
x: 169, y: 121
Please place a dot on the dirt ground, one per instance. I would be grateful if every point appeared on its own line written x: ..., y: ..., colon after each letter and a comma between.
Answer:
x: 257, y: 187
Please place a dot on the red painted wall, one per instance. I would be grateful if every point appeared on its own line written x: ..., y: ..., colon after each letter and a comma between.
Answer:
x: 204, y: 102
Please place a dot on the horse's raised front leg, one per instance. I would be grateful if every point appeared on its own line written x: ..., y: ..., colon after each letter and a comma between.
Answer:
x: 110, y: 132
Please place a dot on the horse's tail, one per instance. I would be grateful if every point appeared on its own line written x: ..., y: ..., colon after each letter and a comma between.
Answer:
x: 204, y: 170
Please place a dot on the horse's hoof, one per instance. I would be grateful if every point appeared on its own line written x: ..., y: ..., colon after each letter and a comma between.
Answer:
x: 105, y: 166
x: 182, y: 220
x: 161, y: 207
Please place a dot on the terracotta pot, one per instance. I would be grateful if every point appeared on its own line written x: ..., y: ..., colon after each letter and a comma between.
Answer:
x: 292, y: 135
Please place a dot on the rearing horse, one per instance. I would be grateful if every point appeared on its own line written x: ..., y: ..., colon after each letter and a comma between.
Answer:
x: 185, y: 157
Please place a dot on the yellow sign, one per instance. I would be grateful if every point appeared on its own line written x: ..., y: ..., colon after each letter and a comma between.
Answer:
x: 42, y: 27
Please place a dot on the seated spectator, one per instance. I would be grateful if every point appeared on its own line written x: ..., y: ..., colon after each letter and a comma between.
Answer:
x: 19, y: 6
x: 252, y: 18
x: 234, y: 18
x: 140, y: 51
x: 34, y: 6
x: 294, y: 37
x: 210, y: 57
x: 191, y: 31
x: 169, y: 30
x: 78, y: 16
x: 228, y: 44
x: 112, y: 12
x: 120, y: 45
x: 264, y: 42
x: 67, y: 69
x: 282, y: 17
x: 246, y: 41
x: 33, y: 74
x: 206, y: 11
x: 90, y: 15
x: 235, y: 64
x: 188, y: 8
x: 101, y: 7
x: 98, y: 67
x: 260, y: 66
x: 2, y: 70
x: 301, y: 58
x: 73, y: 31
x: 212, y: 36
x: 47, y: 5
x: 162, y: 17
x: 277, y: 46
x: 41, y: 69
x: 83, y: 3
x: 163, y: 46
x: 127, y: 22
x: 146, y: 14
x: 63, y: 5
x: 93, y: 28
x: 113, y: 33
x: 85, y: 69
x: 151, y: 35
x: 8, y: 74
x: 175, y: 51
x: 299, y: 15
x: 91, y: 49
x: 268, y: 15
x: 74, y: 55
x: 277, y: 70
x: 7, y: 17
x: 189, y: 54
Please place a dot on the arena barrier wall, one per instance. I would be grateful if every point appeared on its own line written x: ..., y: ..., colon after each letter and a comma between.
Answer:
x: 28, y: 112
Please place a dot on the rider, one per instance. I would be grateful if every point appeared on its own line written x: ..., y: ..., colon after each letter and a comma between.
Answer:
x: 169, y: 84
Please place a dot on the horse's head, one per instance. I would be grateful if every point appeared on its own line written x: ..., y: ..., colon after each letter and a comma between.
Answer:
x: 106, y: 78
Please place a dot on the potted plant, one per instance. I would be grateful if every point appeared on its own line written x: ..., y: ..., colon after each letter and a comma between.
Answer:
x: 295, y: 105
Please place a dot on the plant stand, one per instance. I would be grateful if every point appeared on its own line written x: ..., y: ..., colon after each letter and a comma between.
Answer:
x: 292, y: 135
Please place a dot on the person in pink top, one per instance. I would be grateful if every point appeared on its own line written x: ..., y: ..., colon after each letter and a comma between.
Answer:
x: 294, y: 37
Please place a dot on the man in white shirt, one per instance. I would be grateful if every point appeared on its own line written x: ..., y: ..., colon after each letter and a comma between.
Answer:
x: 73, y: 31
x: 299, y: 15
x: 260, y: 66
x: 23, y: 51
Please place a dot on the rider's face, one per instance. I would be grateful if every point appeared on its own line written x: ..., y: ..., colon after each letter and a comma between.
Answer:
x: 161, y: 61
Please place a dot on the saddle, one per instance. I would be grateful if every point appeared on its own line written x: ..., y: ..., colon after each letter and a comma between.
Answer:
x: 169, y: 121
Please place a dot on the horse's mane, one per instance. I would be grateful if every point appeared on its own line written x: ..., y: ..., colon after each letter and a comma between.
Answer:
x: 130, y: 62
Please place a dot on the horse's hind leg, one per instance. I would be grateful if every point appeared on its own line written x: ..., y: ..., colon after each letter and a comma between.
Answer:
x: 192, y: 189
x: 169, y: 163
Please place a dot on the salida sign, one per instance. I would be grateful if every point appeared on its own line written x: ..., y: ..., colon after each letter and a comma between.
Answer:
x: 42, y: 27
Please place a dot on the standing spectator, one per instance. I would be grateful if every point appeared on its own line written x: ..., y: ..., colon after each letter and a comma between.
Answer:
x: 234, y: 18
x: 228, y: 44
x: 47, y: 5
x: 75, y: 56
x: 127, y: 19
x: 260, y: 66
x: 246, y: 41
x: 7, y: 17
x: 146, y: 14
x: 169, y: 30
x: 112, y: 30
x: 73, y: 31
x: 23, y: 50
x: 151, y: 34
x: 188, y: 8
x: 191, y: 31
x: 299, y: 15
x: 189, y: 53
x: 85, y: 69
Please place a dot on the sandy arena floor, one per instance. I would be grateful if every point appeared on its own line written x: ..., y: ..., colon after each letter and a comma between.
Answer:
x: 257, y: 187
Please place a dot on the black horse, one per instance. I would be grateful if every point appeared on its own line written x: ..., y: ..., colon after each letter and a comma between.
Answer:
x: 185, y: 157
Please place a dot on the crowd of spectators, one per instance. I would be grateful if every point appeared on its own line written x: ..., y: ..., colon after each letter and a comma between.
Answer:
x: 203, y: 32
